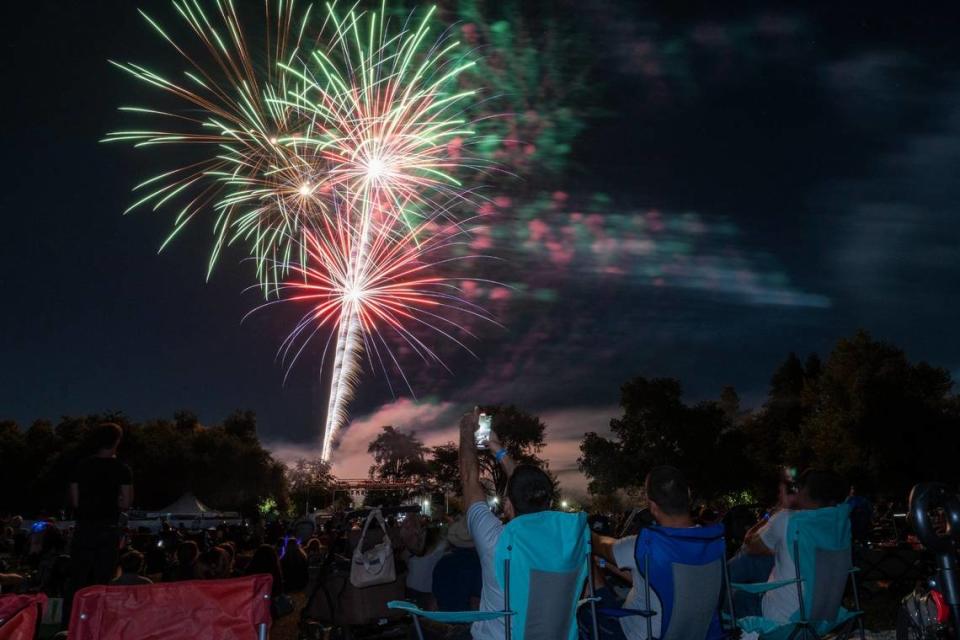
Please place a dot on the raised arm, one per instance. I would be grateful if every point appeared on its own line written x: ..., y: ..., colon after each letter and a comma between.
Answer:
x: 469, y: 464
x: 506, y: 461
x: 603, y: 546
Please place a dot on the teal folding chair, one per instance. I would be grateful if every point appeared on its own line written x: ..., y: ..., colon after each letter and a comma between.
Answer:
x: 820, y: 540
x: 542, y: 562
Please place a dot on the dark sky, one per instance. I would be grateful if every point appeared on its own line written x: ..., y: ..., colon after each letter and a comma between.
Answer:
x: 777, y: 177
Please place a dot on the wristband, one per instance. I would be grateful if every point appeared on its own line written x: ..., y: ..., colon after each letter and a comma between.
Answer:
x: 500, y: 455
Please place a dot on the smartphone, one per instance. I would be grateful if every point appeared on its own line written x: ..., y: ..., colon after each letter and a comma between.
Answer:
x: 483, y: 431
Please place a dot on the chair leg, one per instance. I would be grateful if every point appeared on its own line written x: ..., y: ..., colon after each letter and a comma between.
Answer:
x: 729, y: 593
x: 593, y: 604
x: 262, y: 631
x: 416, y: 626
x: 856, y: 603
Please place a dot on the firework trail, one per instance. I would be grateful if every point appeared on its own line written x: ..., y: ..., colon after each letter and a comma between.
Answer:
x: 389, y: 113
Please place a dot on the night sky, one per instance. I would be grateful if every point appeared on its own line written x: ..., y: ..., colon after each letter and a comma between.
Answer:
x: 773, y: 178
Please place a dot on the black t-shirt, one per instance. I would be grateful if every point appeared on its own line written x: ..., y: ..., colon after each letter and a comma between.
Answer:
x: 99, y: 481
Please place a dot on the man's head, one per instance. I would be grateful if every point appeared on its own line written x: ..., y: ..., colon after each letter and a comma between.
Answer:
x: 819, y: 488
x: 131, y: 562
x: 668, y: 494
x: 529, y: 490
x: 106, y: 437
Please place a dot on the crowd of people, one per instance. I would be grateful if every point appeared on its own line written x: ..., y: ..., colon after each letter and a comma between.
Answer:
x: 447, y: 564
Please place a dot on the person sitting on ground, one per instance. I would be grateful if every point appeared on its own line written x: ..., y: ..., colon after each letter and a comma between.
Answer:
x: 229, y: 559
x: 668, y: 495
x: 7, y: 540
x: 457, y: 578
x: 294, y: 566
x: 314, y: 551
x: 20, y: 536
x: 816, y: 489
x: 423, y: 546
x: 131, y: 568
x: 529, y: 490
x: 266, y: 560
x: 187, y: 555
x: 212, y: 564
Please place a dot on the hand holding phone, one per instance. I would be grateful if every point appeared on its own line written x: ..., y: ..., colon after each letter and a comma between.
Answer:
x: 482, y: 435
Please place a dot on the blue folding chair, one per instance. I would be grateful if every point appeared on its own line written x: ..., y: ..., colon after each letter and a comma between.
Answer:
x: 820, y: 542
x: 685, y: 567
x: 542, y: 561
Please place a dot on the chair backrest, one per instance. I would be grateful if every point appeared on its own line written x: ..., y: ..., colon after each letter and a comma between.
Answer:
x: 228, y: 609
x: 542, y: 560
x: 684, y: 567
x: 820, y: 543
x: 20, y: 615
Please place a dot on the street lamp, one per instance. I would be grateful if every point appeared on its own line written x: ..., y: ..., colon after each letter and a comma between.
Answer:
x: 564, y: 504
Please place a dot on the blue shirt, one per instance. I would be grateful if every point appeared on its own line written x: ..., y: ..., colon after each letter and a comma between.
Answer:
x: 457, y: 579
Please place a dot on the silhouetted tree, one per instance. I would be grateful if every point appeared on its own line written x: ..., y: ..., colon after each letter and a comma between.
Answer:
x: 397, y: 456
x: 310, y: 482
x: 224, y: 465
x: 658, y: 428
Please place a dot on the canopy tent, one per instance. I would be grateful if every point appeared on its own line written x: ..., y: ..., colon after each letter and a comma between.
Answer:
x: 188, y: 505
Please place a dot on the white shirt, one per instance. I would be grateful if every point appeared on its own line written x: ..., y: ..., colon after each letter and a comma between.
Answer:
x: 635, y: 627
x: 420, y: 568
x: 485, y: 529
x: 780, y: 604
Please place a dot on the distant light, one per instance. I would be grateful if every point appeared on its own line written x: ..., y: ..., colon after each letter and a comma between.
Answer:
x: 496, y: 500
x: 564, y: 504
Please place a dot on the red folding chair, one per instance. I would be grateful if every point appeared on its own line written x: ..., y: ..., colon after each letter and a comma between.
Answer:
x: 20, y: 615
x: 234, y: 609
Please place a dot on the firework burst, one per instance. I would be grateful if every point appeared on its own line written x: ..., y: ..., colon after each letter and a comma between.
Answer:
x: 247, y: 178
x: 332, y: 165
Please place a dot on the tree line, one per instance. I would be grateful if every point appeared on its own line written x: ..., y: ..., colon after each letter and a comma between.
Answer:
x: 865, y: 411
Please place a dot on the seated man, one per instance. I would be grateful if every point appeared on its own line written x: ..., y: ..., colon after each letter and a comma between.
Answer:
x: 669, y: 497
x: 815, y: 490
x: 529, y: 490
x: 131, y: 566
x: 752, y: 567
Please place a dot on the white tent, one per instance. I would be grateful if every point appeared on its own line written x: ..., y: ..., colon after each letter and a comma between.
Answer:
x: 189, y: 507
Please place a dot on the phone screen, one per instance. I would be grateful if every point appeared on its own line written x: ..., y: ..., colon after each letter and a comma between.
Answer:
x: 483, y: 431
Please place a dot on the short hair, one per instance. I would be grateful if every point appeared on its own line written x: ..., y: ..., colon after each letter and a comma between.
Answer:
x: 824, y: 487
x: 131, y: 562
x: 668, y: 487
x: 530, y: 489
x: 106, y: 435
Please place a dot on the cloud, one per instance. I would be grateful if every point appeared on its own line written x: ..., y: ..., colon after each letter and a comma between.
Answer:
x: 435, y: 424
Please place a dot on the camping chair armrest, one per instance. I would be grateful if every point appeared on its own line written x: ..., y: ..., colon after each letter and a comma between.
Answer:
x: 625, y: 613
x: 584, y: 601
x: 447, y: 616
x: 761, y: 587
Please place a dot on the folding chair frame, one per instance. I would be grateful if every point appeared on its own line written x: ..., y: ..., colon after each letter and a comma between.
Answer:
x: 507, y: 613
x: 804, y: 628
